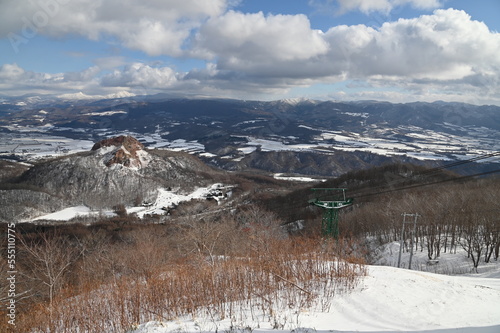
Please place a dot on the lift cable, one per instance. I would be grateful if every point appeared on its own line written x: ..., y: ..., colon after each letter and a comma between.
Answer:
x: 436, y: 169
x: 426, y: 184
x: 454, y: 164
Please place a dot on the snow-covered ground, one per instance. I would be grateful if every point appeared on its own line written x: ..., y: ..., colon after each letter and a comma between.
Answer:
x: 33, y: 142
x: 388, y: 299
x: 165, y: 200
x: 452, y: 261
x: 297, y: 179
x: 35, y: 145
x: 69, y: 213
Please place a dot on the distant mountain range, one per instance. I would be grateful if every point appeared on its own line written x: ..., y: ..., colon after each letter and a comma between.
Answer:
x: 297, y: 136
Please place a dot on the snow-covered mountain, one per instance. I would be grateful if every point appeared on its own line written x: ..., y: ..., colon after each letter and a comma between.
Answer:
x: 115, y: 171
x: 81, y: 96
x: 267, y: 136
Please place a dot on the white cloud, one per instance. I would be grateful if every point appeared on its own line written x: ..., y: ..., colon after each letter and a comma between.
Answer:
x: 153, y: 26
x: 428, y: 91
x: 442, y: 46
x: 15, y: 79
x: 365, y: 6
x: 271, y: 49
x: 11, y: 72
x: 446, y: 49
x: 136, y: 77
x: 442, y: 54
x: 141, y: 75
x: 12, y: 75
x: 254, y: 37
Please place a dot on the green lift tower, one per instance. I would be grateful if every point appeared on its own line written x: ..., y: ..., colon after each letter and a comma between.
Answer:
x: 331, y: 200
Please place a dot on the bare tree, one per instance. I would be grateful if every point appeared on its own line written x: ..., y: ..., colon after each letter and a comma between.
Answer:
x: 472, y: 241
x: 491, y: 238
x: 96, y: 262
x: 48, y: 260
x: 213, y: 236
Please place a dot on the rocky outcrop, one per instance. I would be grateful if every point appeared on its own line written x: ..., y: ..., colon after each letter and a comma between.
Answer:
x: 122, y: 150
x: 118, y: 171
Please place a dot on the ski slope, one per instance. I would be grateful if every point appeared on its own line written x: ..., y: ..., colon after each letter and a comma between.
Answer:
x: 388, y: 299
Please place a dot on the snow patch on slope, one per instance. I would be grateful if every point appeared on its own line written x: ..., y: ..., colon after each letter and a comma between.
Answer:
x: 165, y: 200
x: 168, y: 199
x: 70, y: 213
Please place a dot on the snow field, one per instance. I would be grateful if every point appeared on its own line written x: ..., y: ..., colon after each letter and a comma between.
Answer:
x: 387, y: 300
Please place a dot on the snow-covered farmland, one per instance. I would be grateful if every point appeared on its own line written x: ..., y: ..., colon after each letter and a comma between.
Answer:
x: 40, y: 145
x: 412, y: 141
x: 32, y: 142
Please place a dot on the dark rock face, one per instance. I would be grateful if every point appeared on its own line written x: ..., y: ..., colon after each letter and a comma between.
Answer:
x: 126, y: 151
x: 128, y: 142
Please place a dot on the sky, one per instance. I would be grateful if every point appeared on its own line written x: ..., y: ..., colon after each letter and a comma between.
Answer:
x: 388, y: 50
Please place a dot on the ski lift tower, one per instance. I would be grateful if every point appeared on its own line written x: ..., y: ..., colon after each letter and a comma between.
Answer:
x: 331, y: 200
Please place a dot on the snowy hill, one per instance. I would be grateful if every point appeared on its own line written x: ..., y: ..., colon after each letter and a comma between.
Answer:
x: 116, y: 171
x: 387, y: 300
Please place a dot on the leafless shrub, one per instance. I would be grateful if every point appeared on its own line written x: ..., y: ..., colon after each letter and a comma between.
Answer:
x: 151, y: 282
x: 47, y: 261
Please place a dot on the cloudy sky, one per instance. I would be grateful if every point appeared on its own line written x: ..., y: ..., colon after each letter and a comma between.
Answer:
x: 394, y: 50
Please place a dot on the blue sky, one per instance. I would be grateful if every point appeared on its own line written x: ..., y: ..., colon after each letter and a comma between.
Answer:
x: 395, y: 50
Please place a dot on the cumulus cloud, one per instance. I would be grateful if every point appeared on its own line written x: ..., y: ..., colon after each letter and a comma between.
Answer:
x: 272, y: 48
x: 255, y: 37
x: 153, y: 26
x: 136, y: 77
x: 254, y: 53
x: 446, y: 46
x: 11, y: 72
x: 16, y: 79
x: 442, y: 46
x: 141, y: 75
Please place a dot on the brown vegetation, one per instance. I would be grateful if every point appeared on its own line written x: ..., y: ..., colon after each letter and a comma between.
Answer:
x: 211, y: 261
x: 109, y: 276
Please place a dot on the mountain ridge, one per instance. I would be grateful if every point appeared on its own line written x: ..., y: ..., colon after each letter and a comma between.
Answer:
x: 229, y: 132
